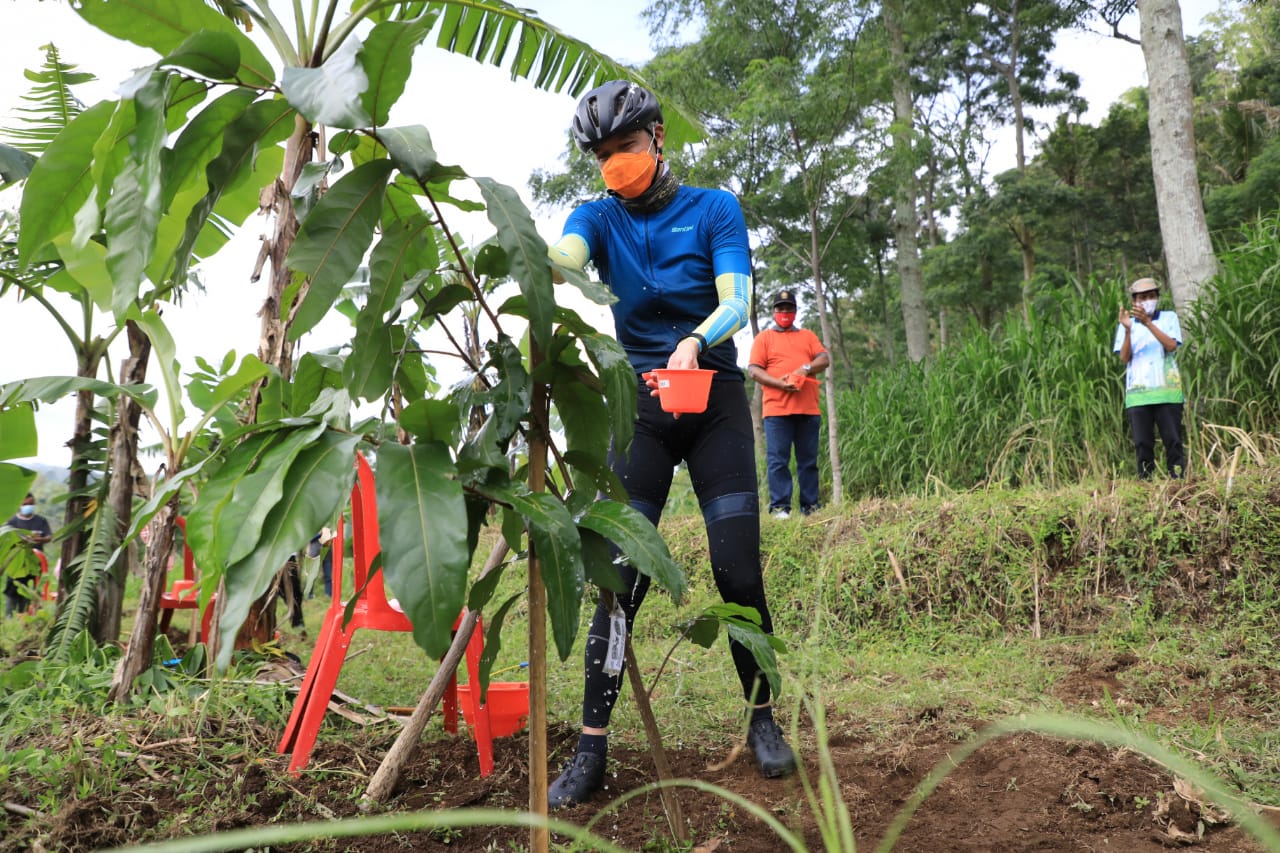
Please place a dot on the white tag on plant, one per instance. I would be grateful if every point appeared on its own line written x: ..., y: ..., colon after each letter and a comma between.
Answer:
x: 616, y: 656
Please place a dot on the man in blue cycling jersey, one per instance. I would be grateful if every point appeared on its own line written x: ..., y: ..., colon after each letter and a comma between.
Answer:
x: 677, y: 259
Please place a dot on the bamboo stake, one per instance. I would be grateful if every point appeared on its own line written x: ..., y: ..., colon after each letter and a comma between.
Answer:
x: 539, y: 836
x: 670, y: 803
x: 401, y: 752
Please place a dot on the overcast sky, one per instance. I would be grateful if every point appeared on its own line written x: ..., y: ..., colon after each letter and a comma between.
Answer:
x: 477, y: 116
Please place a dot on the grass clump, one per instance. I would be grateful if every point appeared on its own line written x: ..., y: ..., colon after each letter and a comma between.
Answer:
x: 1041, y: 401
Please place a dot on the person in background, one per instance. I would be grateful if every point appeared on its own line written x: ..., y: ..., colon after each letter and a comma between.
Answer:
x: 677, y: 259
x: 784, y: 361
x: 18, y: 591
x: 1147, y: 341
x: 317, y: 548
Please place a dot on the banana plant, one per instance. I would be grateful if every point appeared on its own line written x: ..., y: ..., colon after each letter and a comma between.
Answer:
x: 49, y: 107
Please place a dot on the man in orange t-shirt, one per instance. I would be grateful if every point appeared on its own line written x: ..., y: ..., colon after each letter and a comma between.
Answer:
x: 784, y: 361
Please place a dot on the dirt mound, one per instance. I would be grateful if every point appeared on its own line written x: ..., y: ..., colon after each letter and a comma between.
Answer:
x: 1020, y: 792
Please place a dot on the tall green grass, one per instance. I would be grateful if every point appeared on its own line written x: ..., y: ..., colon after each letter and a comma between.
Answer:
x: 1042, y: 402
x: 1027, y: 403
x: 1233, y: 356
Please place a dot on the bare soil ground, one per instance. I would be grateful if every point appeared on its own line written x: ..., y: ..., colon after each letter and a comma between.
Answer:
x: 1021, y: 792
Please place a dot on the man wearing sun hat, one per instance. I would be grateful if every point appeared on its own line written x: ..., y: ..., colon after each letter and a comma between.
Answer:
x: 1147, y: 341
x: 784, y: 361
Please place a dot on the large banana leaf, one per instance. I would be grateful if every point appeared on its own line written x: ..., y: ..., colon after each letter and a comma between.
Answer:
x: 133, y: 210
x: 50, y: 389
x: 262, y: 125
x: 60, y: 182
x: 17, y: 440
x: 165, y: 26
x: 185, y: 185
x: 167, y: 360
x: 331, y: 94
x: 498, y: 33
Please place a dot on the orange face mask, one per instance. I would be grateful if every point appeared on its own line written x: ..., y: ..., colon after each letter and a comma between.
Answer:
x: 629, y: 175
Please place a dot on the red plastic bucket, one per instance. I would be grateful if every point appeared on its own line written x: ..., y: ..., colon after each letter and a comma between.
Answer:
x: 508, y: 703
x: 683, y: 391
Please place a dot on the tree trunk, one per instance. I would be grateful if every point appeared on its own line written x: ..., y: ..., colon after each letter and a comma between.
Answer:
x: 89, y: 358
x: 1183, y: 231
x: 889, y: 349
x: 910, y: 273
x: 1027, y: 244
x: 1022, y: 232
x: 931, y: 228
x: 829, y: 382
x: 137, y: 657
x: 123, y: 453
x: 274, y: 347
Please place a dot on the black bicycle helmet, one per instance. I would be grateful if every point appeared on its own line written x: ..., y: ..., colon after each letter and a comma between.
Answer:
x: 618, y: 106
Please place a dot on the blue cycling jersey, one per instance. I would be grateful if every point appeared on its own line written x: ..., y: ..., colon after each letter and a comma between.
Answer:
x: 662, y: 267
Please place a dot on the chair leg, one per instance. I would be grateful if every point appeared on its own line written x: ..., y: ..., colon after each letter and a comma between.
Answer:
x: 207, y: 619
x: 318, y: 701
x: 479, y: 713
x: 324, y: 641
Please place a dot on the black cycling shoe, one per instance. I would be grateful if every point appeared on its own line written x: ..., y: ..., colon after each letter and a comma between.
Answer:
x: 581, y: 778
x: 773, y: 756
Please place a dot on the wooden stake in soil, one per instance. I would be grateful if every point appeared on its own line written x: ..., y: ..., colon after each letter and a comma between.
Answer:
x: 670, y: 804
x: 539, y: 836
x: 137, y: 656
x: 388, y: 775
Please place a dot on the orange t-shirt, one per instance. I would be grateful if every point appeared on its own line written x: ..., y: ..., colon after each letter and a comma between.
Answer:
x: 780, y: 352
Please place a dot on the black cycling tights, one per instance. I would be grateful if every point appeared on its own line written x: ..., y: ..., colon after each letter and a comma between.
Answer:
x: 718, y: 447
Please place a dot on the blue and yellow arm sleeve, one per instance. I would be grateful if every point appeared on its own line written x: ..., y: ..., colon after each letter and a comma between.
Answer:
x: 569, y: 251
x: 734, y: 289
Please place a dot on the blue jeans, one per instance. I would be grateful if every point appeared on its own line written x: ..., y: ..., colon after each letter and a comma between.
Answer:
x: 781, y: 434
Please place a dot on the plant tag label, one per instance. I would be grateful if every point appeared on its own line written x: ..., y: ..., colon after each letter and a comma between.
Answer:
x: 616, y: 655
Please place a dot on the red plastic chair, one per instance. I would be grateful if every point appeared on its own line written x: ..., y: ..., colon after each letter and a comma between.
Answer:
x: 41, y: 586
x: 184, y: 594
x: 46, y: 594
x: 375, y: 612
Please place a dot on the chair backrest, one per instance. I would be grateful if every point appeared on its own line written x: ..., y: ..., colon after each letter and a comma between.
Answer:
x: 365, y: 545
x: 188, y: 558
x: 337, y: 555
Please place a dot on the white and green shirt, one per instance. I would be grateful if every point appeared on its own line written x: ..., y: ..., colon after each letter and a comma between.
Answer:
x: 1151, y: 376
